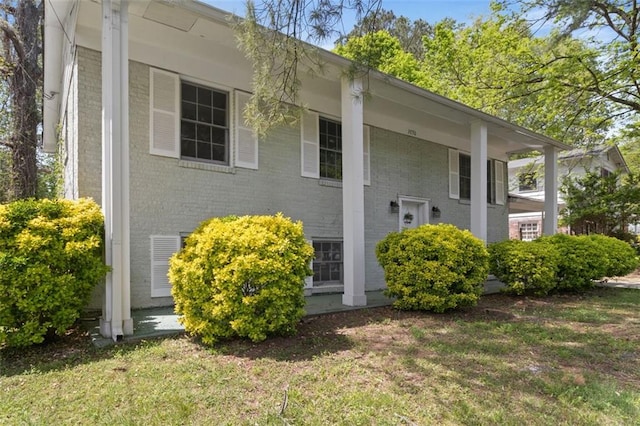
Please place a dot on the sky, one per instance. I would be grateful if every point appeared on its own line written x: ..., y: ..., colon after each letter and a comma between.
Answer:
x: 431, y: 11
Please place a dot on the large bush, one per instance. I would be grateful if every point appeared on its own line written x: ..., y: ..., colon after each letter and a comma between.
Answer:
x: 241, y: 276
x: 524, y: 267
x: 580, y: 261
x: 50, y: 260
x: 618, y: 256
x: 433, y: 267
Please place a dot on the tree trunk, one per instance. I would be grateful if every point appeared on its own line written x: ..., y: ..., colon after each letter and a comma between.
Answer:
x: 24, y: 86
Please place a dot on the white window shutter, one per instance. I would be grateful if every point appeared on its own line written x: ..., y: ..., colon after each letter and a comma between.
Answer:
x: 164, y: 115
x: 310, y: 145
x: 162, y: 248
x: 499, y: 171
x: 246, y: 139
x: 308, y: 281
x: 366, y: 155
x: 454, y: 174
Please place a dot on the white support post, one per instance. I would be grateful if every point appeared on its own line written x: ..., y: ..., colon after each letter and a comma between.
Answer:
x: 479, y: 179
x: 550, y: 221
x: 116, y: 321
x: 353, y: 192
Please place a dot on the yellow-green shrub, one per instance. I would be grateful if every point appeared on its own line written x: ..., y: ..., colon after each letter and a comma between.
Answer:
x: 620, y: 257
x: 50, y: 260
x: 433, y: 267
x: 580, y: 261
x: 524, y: 267
x: 241, y: 276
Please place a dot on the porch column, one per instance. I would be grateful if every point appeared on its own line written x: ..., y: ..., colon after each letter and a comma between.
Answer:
x: 479, y: 179
x: 353, y: 192
x: 550, y: 221
x: 116, y: 319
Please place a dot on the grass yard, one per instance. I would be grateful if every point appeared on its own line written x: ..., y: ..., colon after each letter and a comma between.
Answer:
x: 571, y: 360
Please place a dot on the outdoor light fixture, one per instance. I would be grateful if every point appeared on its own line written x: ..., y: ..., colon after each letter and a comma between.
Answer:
x: 394, y: 207
x: 435, y: 212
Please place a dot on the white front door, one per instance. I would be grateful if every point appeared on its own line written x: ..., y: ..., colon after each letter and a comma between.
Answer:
x: 413, y: 212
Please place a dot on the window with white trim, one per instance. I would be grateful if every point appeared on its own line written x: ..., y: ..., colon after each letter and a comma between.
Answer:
x: 327, y: 264
x: 529, y: 231
x: 204, y: 127
x: 321, y: 148
x: 192, y: 121
x: 330, y: 136
x: 460, y: 171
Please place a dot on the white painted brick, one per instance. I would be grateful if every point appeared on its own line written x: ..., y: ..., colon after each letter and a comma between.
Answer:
x: 167, y: 199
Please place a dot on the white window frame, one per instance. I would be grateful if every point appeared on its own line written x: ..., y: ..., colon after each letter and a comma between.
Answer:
x: 455, y: 178
x: 530, y: 229
x: 329, y: 283
x: 310, y: 147
x: 165, y: 103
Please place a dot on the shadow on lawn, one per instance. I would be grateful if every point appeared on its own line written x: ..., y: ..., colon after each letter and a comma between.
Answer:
x: 68, y: 351
x: 316, y: 335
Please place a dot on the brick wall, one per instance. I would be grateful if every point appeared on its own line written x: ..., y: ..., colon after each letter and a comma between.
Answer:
x: 168, y: 198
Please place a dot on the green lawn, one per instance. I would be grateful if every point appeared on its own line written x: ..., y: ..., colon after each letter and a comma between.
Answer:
x: 559, y: 360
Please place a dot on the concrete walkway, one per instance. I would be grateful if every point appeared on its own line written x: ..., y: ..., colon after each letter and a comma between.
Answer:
x: 160, y: 322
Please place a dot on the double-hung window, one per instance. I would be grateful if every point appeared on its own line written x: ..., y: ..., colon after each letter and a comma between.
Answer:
x: 330, y: 149
x: 321, y: 149
x: 204, y: 124
x: 327, y: 264
x: 194, y: 122
x: 529, y: 231
x: 460, y: 178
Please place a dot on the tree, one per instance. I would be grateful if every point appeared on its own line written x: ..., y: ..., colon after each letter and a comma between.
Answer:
x: 380, y: 50
x: 21, y: 71
x: 597, y: 204
x: 610, y: 27
x: 495, y: 64
x: 408, y: 33
x: 271, y: 36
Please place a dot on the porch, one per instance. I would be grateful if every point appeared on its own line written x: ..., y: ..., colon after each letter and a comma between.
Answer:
x: 162, y: 322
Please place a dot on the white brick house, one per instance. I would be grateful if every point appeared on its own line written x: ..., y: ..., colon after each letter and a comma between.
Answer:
x: 147, y: 97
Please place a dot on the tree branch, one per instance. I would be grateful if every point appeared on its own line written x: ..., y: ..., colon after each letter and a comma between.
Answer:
x: 16, y: 40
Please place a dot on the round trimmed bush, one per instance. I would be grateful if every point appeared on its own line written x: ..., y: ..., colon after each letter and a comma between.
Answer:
x: 241, y: 276
x: 619, y: 256
x: 433, y: 267
x: 580, y: 261
x: 50, y: 261
x: 524, y: 267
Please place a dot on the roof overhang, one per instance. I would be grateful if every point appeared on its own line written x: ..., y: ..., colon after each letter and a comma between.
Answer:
x: 191, y: 15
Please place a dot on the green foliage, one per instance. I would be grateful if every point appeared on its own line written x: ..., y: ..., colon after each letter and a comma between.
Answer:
x: 580, y: 261
x: 495, y: 64
x: 380, y: 50
x: 601, y: 204
x: 611, y: 28
x: 619, y: 256
x: 524, y: 267
x: 50, y: 261
x: 433, y: 267
x: 408, y: 33
x: 241, y: 276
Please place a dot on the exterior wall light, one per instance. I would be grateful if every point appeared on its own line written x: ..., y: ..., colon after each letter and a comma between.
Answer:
x: 435, y: 212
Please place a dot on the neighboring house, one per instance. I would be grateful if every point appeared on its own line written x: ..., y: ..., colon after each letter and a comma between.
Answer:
x: 527, y: 185
x: 144, y: 101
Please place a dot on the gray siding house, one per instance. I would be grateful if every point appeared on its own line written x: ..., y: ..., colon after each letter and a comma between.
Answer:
x: 144, y: 102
